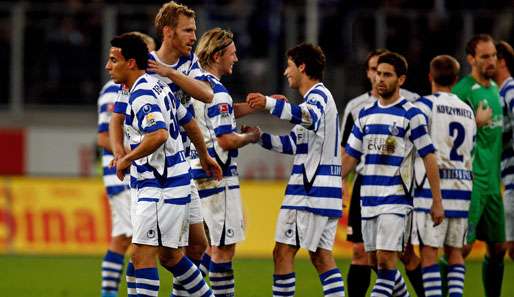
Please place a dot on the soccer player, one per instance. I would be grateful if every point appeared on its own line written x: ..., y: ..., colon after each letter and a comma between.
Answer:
x: 159, y: 170
x: 221, y: 201
x: 452, y: 127
x: 486, y: 215
x: 117, y: 191
x: 175, y: 64
x: 359, y: 273
x: 384, y: 139
x: 312, y: 205
x: 503, y: 78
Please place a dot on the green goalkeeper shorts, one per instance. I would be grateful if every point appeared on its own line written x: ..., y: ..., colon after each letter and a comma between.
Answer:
x: 486, y: 217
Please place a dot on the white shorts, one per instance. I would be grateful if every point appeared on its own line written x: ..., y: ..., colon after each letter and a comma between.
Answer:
x: 160, y: 224
x: 305, y: 229
x: 451, y: 232
x: 120, y: 214
x: 386, y: 232
x: 508, y: 204
x: 195, y: 211
x: 223, y: 214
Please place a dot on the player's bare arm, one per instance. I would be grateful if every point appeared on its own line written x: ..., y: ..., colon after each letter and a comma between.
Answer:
x: 197, y: 89
x: 102, y: 140
x: 348, y: 164
x: 484, y: 116
x: 242, y: 109
x: 150, y: 143
x: 209, y: 165
x: 116, y: 136
x: 235, y: 140
x: 437, y: 211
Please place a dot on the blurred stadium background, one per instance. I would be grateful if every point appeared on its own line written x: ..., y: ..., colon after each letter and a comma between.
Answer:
x: 54, y: 219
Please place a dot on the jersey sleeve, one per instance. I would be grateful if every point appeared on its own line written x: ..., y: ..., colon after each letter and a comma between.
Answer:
x: 284, y: 144
x: 221, y: 112
x: 307, y: 114
x: 419, y: 132
x: 147, y: 111
x: 354, y: 145
x: 425, y: 105
x: 121, y: 105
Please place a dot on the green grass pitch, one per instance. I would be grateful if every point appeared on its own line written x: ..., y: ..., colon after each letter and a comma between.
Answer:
x: 66, y: 276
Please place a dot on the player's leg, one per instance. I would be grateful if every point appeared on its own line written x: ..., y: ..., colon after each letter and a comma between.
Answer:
x: 197, y: 241
x: 318, y: 236
x: 197, y: 238
x: 508, y: 205
x: 185, y: 271
x: 389, y: 234
x: 456, y: 271
x: 221, y: 274
x: 431, y: 238
x: 492, y: 230
x: 287, y: 244
x: 359, y: 273
x: 174, y: 231
x: 284, y: 278
x: 224, y: 218
x: 113, y: 261
x: 412, y: 264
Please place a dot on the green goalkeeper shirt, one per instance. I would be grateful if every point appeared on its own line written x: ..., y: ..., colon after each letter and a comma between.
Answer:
x: 488, y: 147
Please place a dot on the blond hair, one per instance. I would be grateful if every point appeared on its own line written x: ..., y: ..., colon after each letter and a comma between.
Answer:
x: 213, y: 41
x: 168, y: 15
x: 150, y: 42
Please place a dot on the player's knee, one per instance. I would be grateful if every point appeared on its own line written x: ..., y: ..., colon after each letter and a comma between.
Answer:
x: 196, y: 251
x: 281, y: 255
x: 322, y: 261
x: 359, y: 255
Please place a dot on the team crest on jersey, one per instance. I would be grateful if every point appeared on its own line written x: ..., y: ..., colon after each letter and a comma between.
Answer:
x: 224, y: 109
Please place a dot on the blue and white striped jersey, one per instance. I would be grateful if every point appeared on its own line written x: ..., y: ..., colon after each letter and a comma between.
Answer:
x: 507, y: 164
x: 215, y: 119
x: 108, y: 95
x: 452, y: 127
x: 315, y: 182
x: 152, y: 106
x: 385, y: 137
x: 355, y: 105
x: 189, y: 66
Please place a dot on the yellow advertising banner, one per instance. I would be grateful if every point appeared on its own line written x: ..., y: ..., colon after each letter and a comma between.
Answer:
x: 53, y: 216
x: 72, y: 216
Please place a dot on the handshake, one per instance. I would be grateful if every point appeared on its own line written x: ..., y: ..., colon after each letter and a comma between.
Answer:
x: 253, y: 133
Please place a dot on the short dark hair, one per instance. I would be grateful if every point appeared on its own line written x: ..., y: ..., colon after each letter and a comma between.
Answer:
x: 444, y: 70
x: 398, y: 61
x: 132, y: 47
x: 471, y: 46
x: 505, y: 52
x: 310, y: 55
x: 374, y: 53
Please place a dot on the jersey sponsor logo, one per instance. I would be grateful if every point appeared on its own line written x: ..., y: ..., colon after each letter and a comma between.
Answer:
x: 382, y: 145
x: 289, y: 233
x: 150, y: 233
x: 230, y: 232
